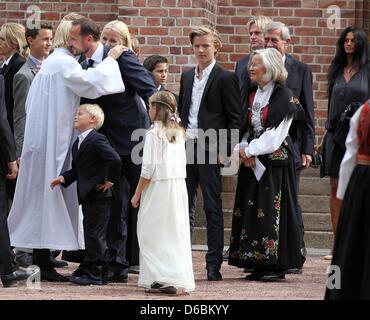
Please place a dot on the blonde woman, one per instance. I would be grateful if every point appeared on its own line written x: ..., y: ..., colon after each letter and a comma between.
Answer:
x: 116, y: 32
x: 13, y: 47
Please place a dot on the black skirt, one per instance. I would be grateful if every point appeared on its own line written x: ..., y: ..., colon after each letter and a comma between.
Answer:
x: 265, y: 233
x: 352, y: 240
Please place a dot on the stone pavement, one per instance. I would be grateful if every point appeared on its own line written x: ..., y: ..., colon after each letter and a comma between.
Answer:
x: 308, y: 286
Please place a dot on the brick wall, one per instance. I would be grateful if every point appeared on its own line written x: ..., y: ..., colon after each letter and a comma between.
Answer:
x: 162, y: 27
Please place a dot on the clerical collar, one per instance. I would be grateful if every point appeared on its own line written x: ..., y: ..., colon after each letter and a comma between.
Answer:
x: 36, y: 61
x: 97, y: 56
x: 6, y: 62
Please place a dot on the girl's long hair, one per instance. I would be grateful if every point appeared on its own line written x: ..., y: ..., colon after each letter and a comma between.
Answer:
x: 166, y: 115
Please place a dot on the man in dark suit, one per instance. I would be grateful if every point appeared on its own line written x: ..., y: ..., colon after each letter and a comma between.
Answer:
x: 10, y: 274
x: 257, y: 41
x: 95, y: 167
x: 300, y: 82
x: 124, y: 113
x: 209, y: 99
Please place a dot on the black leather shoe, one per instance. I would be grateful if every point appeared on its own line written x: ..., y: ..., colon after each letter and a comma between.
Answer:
x: 295, y: 271
x: 57, y: 263
x: 272, y: 276
x: 114, y: 276
x: 50, y: 274
x: 134, y: 269
x: 225, y: 256
x: 254, y: 276
x: 11, y: 280
x: 86, y: 280
x: 214, y: 275
x: 23, y: 259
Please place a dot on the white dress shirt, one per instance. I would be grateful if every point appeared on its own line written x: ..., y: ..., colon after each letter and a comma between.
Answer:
x: 82, y: 136
x: 97, y: 56
x: 6, y: 62
x: 196, y: 98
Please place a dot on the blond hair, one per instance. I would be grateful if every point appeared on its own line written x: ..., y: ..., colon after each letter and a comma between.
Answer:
x: 135, y: 45
x: 166, y: 114
x: 72, y: 16
x: 96, y: 112
x: 204, y: 31
x: 273, y: 63
x: 260, y: 21
x: 14, y: 34
x: 62, y: 34
x: 122, y: 31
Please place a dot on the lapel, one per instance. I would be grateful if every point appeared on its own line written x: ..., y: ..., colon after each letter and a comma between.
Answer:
x: 84, y: 143
x: 10, y: 64
x: 106, y: 50
x: 75, y: 149
x: 32, y: 66
x: 289, y: 66
x: 188, y: 86
x: 209, y: 81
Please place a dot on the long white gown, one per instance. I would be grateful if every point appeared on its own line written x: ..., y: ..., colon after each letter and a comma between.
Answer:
x: 41, y: 217
x: 163, y: 219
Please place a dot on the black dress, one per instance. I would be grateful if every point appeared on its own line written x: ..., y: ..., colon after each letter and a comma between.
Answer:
x: 352, y: 240
x: 265, y: 233
x: 342, y: 94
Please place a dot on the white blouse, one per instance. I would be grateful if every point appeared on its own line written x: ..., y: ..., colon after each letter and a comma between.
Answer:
x: 350, y: 157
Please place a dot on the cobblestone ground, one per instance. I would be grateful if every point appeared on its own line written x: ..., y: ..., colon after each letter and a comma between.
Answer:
x: 308, y: 286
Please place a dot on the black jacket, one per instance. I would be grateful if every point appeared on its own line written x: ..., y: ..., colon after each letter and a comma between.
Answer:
x: 7, y: 144
x: 220, y: 106
x: 124, y: 112
x: 93, y: 163
x: 15, y: 63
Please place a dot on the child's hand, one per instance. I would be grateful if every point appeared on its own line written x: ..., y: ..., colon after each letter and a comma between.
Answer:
x: 57, y: 181
x: 104, y: 186
x: 135, y: 200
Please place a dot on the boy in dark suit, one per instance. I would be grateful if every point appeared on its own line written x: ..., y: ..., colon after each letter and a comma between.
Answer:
x: 96, y: 167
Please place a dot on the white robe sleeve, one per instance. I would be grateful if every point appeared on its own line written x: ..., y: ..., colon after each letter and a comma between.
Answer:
x: 350, y: 157
x: 94, y: 82
x: 149, y: 155
x: 270, y: 140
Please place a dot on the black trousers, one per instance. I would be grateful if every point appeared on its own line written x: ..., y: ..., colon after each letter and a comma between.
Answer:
x: 96, y: 212
x: 117, y: 232
x: 209, y: 178
x: 7, y: 264
x: 300, y: 219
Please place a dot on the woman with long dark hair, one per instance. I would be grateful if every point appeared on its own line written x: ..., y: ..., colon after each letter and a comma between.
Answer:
x: 349, y: 84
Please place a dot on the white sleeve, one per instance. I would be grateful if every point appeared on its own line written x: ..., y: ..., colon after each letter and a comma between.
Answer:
x: 350, y: 157
x: 149, y: 156
x: 94, y: 82
x: 270, y: 140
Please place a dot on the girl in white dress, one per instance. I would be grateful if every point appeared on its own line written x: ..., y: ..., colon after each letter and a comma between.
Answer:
x: 163, y: 219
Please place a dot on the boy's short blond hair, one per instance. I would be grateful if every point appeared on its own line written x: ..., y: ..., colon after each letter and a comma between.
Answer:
x: 95, y: 111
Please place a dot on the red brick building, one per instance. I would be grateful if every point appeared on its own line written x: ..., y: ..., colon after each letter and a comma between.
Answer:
x: 162, y: 27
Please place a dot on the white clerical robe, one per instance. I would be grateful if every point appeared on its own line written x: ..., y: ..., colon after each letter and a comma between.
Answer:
x: 41, y: 217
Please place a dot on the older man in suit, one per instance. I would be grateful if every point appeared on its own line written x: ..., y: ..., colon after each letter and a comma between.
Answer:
x: 209, y: 99
x: 300, y: 82
x: 10, y: 274
x: 124, y: 113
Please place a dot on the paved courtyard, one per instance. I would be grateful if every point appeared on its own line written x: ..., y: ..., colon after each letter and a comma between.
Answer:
x: 308, y: 286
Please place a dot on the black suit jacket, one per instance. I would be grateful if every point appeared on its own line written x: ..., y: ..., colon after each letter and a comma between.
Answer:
x: 220, y: 106
x: 245, y: 83
x: 93, y: 163
x: 7, y: 143
x: 124, y: 112
x: 300, y: 82
x: 15, y: 63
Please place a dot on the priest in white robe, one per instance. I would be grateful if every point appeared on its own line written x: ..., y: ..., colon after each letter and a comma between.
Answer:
x: 42, y: 218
